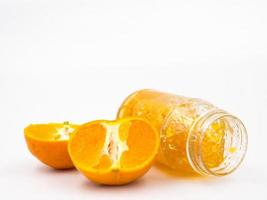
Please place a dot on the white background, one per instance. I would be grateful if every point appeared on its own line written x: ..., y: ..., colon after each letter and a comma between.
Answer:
x: 77, y: 60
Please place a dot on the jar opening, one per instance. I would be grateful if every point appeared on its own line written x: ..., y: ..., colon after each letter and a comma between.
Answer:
x: 216, y: 144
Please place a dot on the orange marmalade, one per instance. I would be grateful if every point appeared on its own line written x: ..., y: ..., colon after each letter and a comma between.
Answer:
x: 196, y: 136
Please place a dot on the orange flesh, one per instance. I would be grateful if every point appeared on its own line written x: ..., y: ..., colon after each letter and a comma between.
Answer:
x: 88, y: 144
x: 112, y: 145
x: 50, y: 132
x: 140, y: 143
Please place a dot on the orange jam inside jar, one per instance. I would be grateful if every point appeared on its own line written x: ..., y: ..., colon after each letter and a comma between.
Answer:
x: 196, y: 136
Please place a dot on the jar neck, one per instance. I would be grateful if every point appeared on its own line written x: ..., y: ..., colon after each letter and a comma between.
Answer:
x: 216, y: 134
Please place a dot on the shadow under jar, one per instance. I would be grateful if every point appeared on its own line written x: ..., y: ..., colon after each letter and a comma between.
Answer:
x: 196, y: 136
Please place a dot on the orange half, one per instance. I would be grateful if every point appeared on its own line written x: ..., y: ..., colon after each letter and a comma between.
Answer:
x: 114, y: 152
x: 49, y: 143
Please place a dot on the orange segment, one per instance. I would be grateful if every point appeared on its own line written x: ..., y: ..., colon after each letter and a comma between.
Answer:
x: 49, y: 143
x: 114, y: 152
x: 89, y: 141
x: 140, y: 142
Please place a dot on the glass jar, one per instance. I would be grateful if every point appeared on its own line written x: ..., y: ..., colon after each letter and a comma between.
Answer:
x: 195, y: 135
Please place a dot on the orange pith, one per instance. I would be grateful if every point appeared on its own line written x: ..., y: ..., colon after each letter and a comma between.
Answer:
x: 49, y: 143
x: 114, y: 152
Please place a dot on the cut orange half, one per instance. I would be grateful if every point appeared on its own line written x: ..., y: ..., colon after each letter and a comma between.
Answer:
x: 49, y: 143
x: 114, y: 152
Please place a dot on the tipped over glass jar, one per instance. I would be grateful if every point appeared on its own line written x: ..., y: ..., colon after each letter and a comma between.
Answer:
x: 196, y: 136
